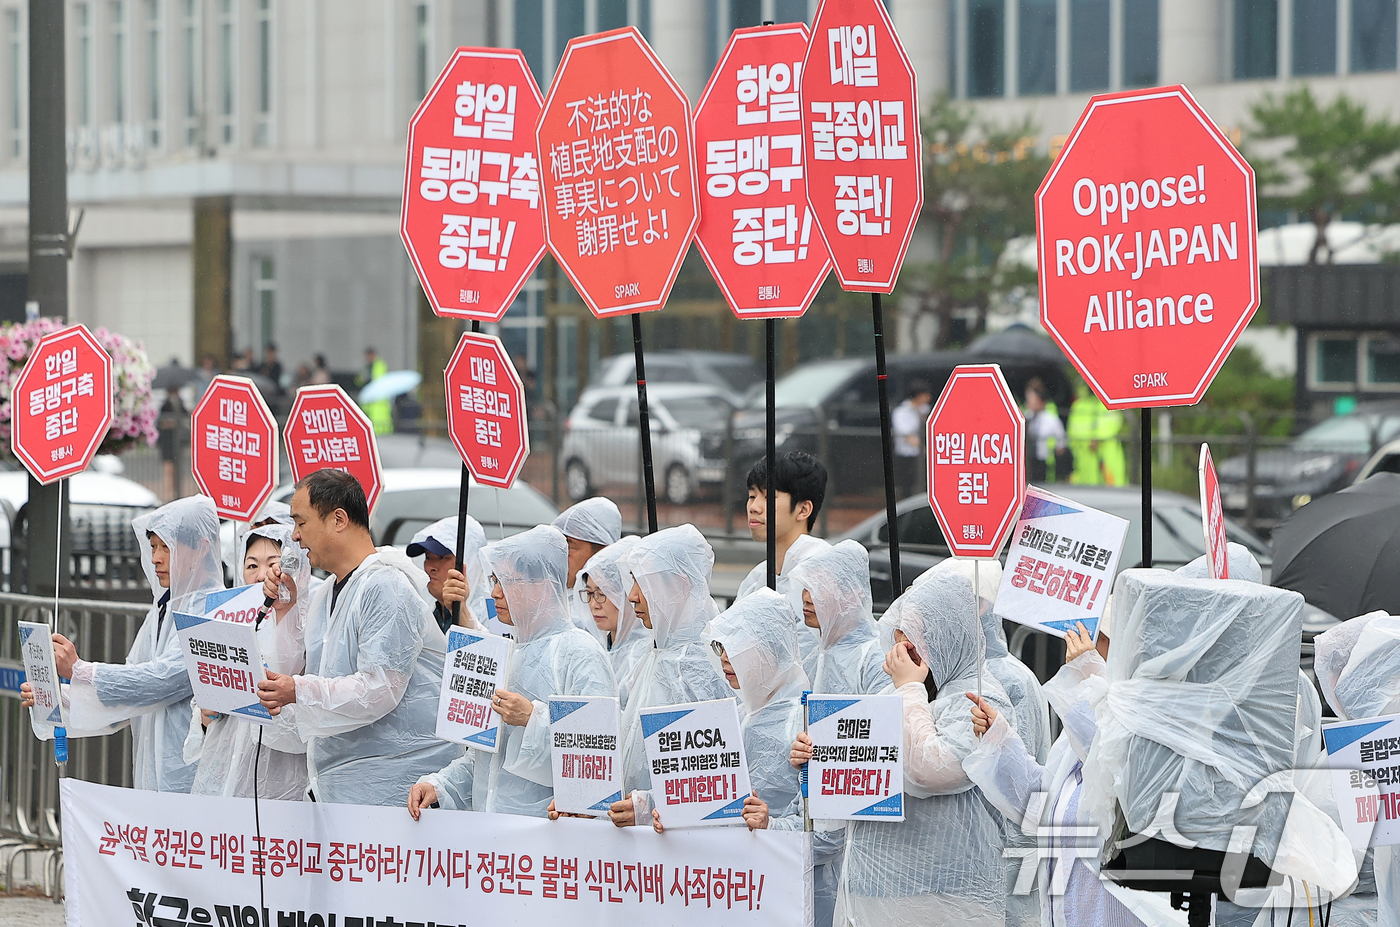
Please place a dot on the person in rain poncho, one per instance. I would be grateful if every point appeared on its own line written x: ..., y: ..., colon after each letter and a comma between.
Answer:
x: 437, y: 545
x: 670, y: 573
x: 366, y: 706
x: 225, y: 747
x: 943, y: 864
x: 588, y: 526
x: 550, y: 657
x: 603, y: 587
x: 272, y: 513
x: 180, y: 555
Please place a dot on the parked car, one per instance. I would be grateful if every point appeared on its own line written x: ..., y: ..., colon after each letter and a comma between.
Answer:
x: 688, y: 424
x: 839, y: 396
x: 1177, y: 535
x: 1385, y: 460
x: 738, y: 376
x: 1322, y: 459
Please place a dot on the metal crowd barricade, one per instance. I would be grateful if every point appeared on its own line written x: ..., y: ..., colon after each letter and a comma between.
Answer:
x: 29, y: 798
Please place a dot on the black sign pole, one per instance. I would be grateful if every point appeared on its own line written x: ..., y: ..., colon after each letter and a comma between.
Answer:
x: 886, y: 444
x: 644, y: 424
x: 1146, y: 488
x: 462, y: 493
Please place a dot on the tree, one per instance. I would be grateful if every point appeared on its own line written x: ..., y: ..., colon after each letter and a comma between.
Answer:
x: 1323, y: 161
x: 979, y: 193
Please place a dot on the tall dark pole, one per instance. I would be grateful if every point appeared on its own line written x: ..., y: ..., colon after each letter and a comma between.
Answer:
x: 886, y: 444
x: 48, y: 249
x: 1147, y: 488
x: 771, y: 461
x: 644, y: 424
x: 463, y: 492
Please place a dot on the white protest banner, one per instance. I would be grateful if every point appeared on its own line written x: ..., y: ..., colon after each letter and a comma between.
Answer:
x: 587, y: 763
x: 477, y: 665
x: 36, y: 649
x: 699, y: 773
x: 856, y: 773
x: 1213, y: 517
x: 1061, y: 564
x: 1364, y: 756
x: 239, y: 605
x: 224, y: 666
x: 195, y: 859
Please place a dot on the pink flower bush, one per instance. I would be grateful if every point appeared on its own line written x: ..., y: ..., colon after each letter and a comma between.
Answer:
x: 134, y: 410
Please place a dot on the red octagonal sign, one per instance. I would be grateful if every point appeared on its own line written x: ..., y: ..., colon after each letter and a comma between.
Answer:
x: 471, y: 195
x: 61, y: 404
x: 326, y: 429
x: 756, y: 230
x: 234, y: 452
x: 619, y: 172
x: 976, y: 461
x: 486, y: 410
x: 1147, y: 248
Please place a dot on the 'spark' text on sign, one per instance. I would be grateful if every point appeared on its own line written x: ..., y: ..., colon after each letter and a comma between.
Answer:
x: 620, y: 195
x: 860, y: 136
x: 585, y: 755
x: 486, y: 410
x: 756, y: 231
x: 976, y: 460
x: 61, y: 404
x: 471, y: 216
x: 856, y: 772
x: 1147, y: 248
x: 234, y: 454
x: 699, y: 772
x: 477, y: 665
x: 224, y: 665
x: 326, y: 429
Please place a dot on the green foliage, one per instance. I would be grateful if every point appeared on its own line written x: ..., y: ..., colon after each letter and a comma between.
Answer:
x: 1243, y: 385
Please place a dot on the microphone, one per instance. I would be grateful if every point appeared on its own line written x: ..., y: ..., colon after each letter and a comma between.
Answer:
x: 293, y: 558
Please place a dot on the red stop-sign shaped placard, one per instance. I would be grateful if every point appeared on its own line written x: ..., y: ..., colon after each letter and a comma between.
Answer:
x: 234, y: 447
x: 486, y: 410
x: 471, y: 195
x: 976, y: 461
x: 620, y: 195
x: 1213, y: 517
x: 61, y: 404
x: 756, y: 229
x: 1147, y: 248
x: 860, y: 135
x: 326, y: 429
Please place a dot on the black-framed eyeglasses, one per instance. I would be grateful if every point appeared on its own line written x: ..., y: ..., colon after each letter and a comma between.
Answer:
x: 717, y: 647
x: 494, y: 580
x: 595, y: 595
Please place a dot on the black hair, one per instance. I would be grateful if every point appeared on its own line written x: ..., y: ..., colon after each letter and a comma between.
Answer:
x: 799, y: 474
x: 917, y: 387
x: 930, y: 687
x: 328, y: 490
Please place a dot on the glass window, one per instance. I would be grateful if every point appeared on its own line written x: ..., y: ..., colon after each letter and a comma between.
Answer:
x: 227, y: 64
x: 612, y: 14
x: 1256, y: 38
x: 119, y: 109
x: 699, y: 412
x: 1355, y: 434
x: 191, y: 75
x: 745, y: 13
x: 154, y: 54
x: 570, y: 19
x: 84, y: 20
x: 1036, y: 47
x: 790, y: 11
x: 1383, y: 360
x: 1372, y: 35
x: 644, y: 18
x: 1140, y: 43
x: 18, y: 42
x: 422, y: 56
x: 529, y: 36
x: 811, y: 384
x: 986, y: 48
x: 263, y: 135
x: 605, y: 411
x: 1314, y: 36
x: 1088, y: 44
x: 265, y: 287
x: 1334, y: 360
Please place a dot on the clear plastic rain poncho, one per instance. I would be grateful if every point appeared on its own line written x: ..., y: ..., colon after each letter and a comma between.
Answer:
x: 672, y: 568
x: 943, y: 864
x: 632, y: 642
x: 367, y: 704
x: 850, y: 659
x: 805, y: 546
x: 152, y: 689
x: 445, y: 533
x: 596, y: 521
x: 226, y: 751
x: 279, y: 512
x: 550, y: 657
x: 1243, y: 565
x: 1201, y: 705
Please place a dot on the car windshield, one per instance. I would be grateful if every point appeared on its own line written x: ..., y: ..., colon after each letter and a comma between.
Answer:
x: 1351, y: 434
x: 698, y: 412
x: 399, y: 514
x: 811, y: 385
x: 739, y: 374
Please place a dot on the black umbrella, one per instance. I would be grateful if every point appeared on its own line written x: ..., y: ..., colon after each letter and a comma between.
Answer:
x: 1342, y: 551
x: 1017, y: 341
x: 173, y: 376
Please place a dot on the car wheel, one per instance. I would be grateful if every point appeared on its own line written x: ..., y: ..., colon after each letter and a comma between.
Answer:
x: 576, y: 481
x: 678, y: 486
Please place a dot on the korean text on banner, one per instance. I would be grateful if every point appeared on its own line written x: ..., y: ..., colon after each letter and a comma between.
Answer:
x: 587, y: 763
x: 1364, y: 756
x: 1061, y: 564
x: 1213, y: 518
x: 194, y: 859
x: 224, y: 666
x: 477, y: 665
x: 36, y: 649
x: 856, y: 773
x: 699, y: 772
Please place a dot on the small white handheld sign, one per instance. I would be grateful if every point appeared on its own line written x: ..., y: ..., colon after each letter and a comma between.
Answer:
x: 40, y: 671
x: 477, y: 665
x: 699, y: 772
x: 237, y: 606
x: 1364, y: 756
x: 583, y: 733
x: 224, y: 666
x: 856, y: 772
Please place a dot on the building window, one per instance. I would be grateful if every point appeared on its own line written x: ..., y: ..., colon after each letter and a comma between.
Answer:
x: 529, y: 36
x: 1383, y: 361
x: 422, y: 51
x: 119, y: 104
x: 1256, y: 38
x: 543, y: 28
x: 570, y: 19
x: 228, y: 72
x: 1088, y: 45
x: 154, y: 56
x: 14, y: 32
x: 1334, y: 361
x: 83, y: 19
x: 791, y: 11
x: 1314, y: 37
x: 262, y: 133
x: 1373, y: 35
x: 986, y: 48
x: 1140, y: 43
x: 265, y: 301
x: 1036, y: 46
x: 612, y: 14
x: 190, y: 77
